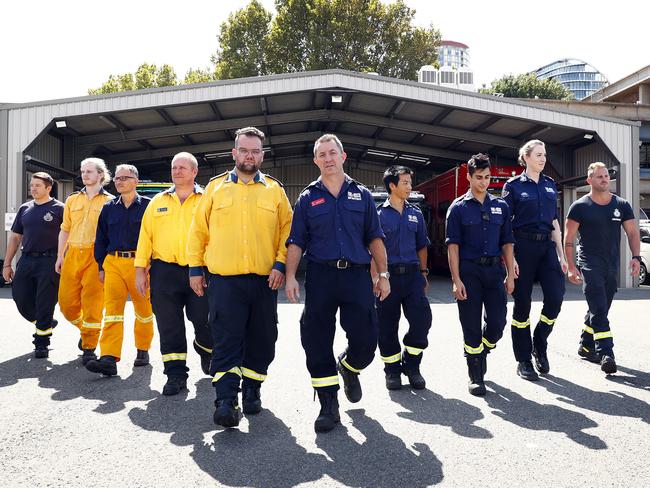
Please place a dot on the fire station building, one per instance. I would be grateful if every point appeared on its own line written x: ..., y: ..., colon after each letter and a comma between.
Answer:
x: 381, y: 121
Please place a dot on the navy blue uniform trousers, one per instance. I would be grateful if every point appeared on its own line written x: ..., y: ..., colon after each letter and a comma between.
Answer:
x: 537, y: 262
x: 406, y: 291
x: 244, y: 324
x: 328, y: 290
x: 171, y: 299
x: 35, y: 290
x: 485, y: 289
x: 599, y: 286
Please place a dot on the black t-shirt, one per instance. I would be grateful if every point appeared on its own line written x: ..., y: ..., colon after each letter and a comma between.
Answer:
x: 600, y: 229
x: 39, y: 225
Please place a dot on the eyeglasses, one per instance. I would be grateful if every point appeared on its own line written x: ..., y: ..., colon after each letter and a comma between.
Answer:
x: 245, y: 152
x: 123, y: 178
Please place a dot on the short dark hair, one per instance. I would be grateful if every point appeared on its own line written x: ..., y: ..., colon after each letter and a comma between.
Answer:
x: 478, y: 161
x: 251, y: 132
x: 391, y: 175
x: 44, y: 177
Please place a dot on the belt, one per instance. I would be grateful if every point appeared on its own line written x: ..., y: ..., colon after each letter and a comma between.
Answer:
x: 533, y: 236
x: 124, y: 254
x: 402, y: 269
x: 345, y: 264
x: 485, y: 261
x: 40, y: 254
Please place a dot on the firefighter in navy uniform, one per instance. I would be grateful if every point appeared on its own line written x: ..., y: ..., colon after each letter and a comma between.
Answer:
x: 406, y: 245
x: 598, y: 217
x: 35, y: 282
x: 478, y: 236
x: 532, y: 198
x: 239, y: 232
x: 335, y: 223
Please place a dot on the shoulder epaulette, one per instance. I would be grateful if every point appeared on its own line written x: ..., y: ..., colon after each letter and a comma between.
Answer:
x: 512, y: 178
x: 219, y: 175
x: 273, y: 178
x: 549, y: 178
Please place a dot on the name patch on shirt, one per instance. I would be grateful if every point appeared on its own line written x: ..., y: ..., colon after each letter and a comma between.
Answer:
x: 161, y: 209
x: 413, y: 218
x: 496, y: 210
x: 317, y: 202
x: 354, y: 196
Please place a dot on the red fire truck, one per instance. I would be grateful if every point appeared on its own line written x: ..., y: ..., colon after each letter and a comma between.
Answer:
x: 440, y: 191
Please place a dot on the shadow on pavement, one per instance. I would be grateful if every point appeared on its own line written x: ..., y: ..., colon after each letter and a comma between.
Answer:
x: 610, y: 403
x: 381, y: 460
x: 427, y: 407
x: 268, y: 455
x: 71, y: 380
x: 634, y: 378
x: 22, y: 368
x: 514, y: 408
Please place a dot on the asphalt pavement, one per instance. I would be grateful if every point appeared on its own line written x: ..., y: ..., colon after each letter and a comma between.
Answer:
x: 64, y: 426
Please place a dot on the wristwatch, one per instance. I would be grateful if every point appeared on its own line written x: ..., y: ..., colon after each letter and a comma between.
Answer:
x: 425, y: 271
x: 384, y: 274
x: 638, y: 258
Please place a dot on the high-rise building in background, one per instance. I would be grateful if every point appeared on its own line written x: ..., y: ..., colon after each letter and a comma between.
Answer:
x: 454, y: 71
x: 577, y: 76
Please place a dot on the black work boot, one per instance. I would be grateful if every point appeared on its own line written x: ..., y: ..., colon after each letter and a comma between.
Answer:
x: 174, y: 385
x: 41, y: 351
x: 88, y: 355
x: 227, y: 413
x: 206, y: 359
x: 251, y: 399
x: 106, y: 366
x: 484, y: 361
x: 588, y: 354
x: 328, y: 416
x: 608, y: 365
x: 526, y: 371
x: 141, y: 358
x: 351, y: 385
x: 475, y: 369
x: 541, y: 361
x: 394, y: 380
x: 416, y: 380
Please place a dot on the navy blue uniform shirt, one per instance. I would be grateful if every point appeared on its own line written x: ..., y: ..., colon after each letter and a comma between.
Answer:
x: 329, y: 228
x: 118, y: 227
x: 533, y: 205
x: 600, y: 230
x: 39, y: 225
x: 405, y: 233
x: 479, y: 229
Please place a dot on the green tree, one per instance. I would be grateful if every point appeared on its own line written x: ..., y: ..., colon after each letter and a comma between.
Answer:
x: 197, y: 75
x: 527, y: 85
x: 242, y: 43
x: 166, y: 76
x: 359, y: 35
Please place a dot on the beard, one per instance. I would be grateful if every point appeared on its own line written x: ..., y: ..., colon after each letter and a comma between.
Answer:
x: 248, y: 168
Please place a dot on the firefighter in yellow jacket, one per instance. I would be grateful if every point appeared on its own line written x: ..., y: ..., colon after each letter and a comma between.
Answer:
x: 161, y: 262
x: 81, y: 294
x: 239, y: 233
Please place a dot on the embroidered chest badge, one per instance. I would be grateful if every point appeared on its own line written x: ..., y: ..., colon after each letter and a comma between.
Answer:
x: 617, y: 213
x: 354, y: 196
x: 496, y: 210
x: 413, y: 218
x: 550, y: 190
x: 48, y: 217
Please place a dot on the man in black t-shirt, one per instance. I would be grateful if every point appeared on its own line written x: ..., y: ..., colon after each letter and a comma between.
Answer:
x: 598, y: 217
x: 35, y: 282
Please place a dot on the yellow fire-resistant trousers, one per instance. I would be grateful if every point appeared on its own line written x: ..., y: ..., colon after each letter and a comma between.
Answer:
x: 119, y: 283
x: 81, y: 295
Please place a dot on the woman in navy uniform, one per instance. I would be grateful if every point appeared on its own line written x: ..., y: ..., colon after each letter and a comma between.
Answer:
x: 532, y: 198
